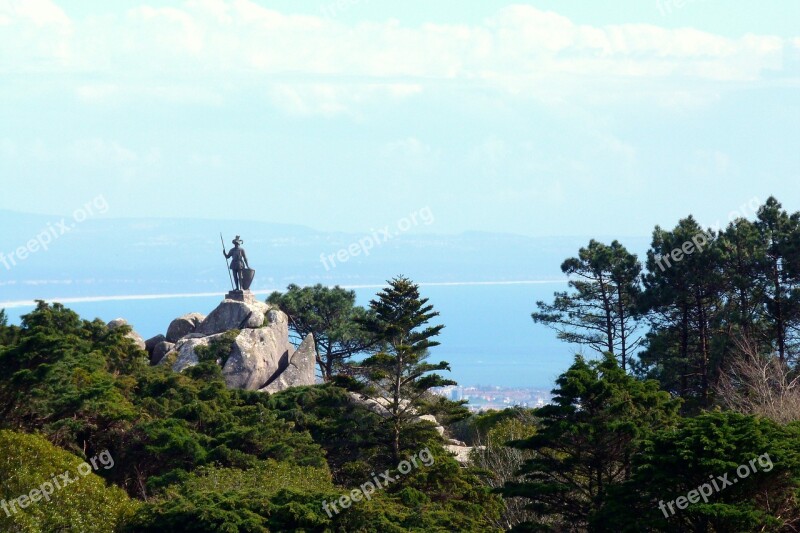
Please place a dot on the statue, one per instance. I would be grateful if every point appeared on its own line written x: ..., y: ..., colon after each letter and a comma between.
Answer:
x: 242, y: 273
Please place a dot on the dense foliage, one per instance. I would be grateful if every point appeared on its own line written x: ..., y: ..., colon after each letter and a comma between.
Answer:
x: 61, y: 495
x: 586, y: 440
x: 688, y: 419
x: 702, y: 292
x: 203, y: 457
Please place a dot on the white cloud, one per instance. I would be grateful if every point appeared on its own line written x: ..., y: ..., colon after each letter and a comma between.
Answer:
x: 42, y: 13
x: 87, y: 152
x: 315, y: 65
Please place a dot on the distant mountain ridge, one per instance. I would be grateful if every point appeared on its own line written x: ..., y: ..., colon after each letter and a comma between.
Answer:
x: 114, y: 256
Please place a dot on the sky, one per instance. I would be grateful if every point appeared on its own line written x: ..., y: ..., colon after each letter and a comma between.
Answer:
x: 541, y: 118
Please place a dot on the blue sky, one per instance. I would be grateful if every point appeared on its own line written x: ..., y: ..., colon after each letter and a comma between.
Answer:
x: 537, y: 118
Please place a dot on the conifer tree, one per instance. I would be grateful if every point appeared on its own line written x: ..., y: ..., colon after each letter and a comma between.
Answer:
x: 331, y: 315
x: 586, y: 441
x: 602, y: 312
x: 780, y: 270
x: 684, y: 300
x: 399, y: 376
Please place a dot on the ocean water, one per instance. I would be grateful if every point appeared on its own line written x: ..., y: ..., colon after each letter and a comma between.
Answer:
x: 488, y: 339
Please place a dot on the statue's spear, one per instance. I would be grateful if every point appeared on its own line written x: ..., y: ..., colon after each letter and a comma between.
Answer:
x: 227, y: 265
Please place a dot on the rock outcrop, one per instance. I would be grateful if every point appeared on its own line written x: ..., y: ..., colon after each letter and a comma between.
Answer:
x: 183, y: 325
x: 378, y: 406
x: 132, y: 335
x: 461, y: 453
x: 151, y: 343
x: 257, y: 356
x: 232, y: 314
x: 247, y: 338
x: 300, y: 369
x: 159, y: 351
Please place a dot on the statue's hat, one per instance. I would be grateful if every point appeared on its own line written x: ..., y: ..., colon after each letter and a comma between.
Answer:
x: 237, y: 240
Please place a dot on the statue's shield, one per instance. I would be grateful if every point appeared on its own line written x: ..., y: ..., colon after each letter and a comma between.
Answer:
x: 247, y: 278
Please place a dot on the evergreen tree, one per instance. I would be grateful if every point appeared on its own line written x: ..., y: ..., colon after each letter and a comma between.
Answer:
x: 602, y: 312
x: 30, y: 464
x: 585, y: 443
x: 7, y: 333
x: 399, y: 377
x: 330, y: 314
x: 779, y: 271
x: 742, y: 252
x: 684, y: 290
x: 747, y: 467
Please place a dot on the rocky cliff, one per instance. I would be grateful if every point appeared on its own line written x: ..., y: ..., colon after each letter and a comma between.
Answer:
x: 247, y: 338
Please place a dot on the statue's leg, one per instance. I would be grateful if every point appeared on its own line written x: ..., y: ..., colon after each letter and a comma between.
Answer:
x: 236, y: 278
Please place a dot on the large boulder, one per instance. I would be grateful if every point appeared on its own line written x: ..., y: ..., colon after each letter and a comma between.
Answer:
x: 255, y: 353
x: 300, y: 369
x: 253, y: 357
x: 256, y: 356
x: 187, y: 354
x: 132, y: 335
x: 432, y: 419
x: 159, y: 351
x: 150, y: 344
x: 379, y: 406
x: 233, y: 314
x: 461, y: 453
x: 183, y: 325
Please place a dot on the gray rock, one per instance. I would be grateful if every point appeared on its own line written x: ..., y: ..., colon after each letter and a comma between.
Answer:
x: 300, y: 370
x: 132, y: 335
x: 187, y: 356
x: 151, y: 343
x: 257, y: 355
x: 183, y: 325
x: 261, y: 356
x: 231, y: 314
x: 379, y: 406
x: 430, y: 418
x: 117, y: 322
x: 461, y: 453
x: 160, y: 350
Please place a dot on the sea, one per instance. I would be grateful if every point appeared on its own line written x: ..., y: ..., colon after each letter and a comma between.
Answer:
x: 489, y: 338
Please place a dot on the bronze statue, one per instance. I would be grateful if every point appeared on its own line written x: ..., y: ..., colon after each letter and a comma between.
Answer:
x: 242, y: 273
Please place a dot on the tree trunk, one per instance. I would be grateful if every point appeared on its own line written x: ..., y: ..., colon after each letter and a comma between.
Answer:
x: 701, y: 312
x: 779, y: 325
x: 622, y: 334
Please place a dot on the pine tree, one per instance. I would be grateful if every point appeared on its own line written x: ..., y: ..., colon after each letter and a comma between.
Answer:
x: 602, y: 312
x: 585, y: 442
x: 399, y: 376
x: 742, y: 251
x: 330, y: 314
x: 733, y: 473
x: 780, y: 270
x: 684, y: 290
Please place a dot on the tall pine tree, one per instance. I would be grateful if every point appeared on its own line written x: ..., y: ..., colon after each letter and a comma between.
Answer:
x: 780, y: 272
x: 399, y: 377
x: 684, y: 290
x: 602, y: 312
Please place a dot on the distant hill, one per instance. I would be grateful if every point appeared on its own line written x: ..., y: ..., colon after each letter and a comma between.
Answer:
x: 106, y: 256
